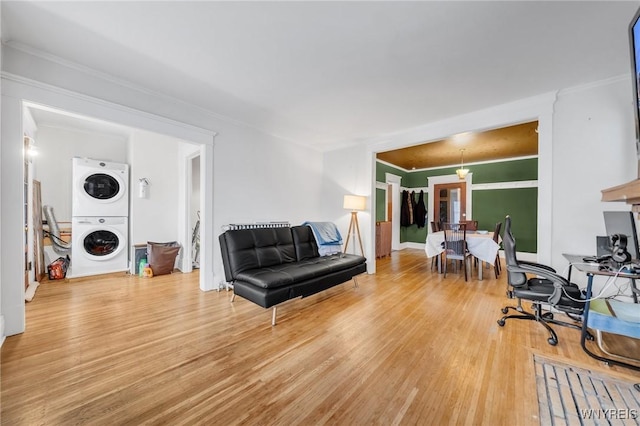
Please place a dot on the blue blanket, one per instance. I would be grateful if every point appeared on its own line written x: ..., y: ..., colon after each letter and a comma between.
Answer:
x: 326, y: 233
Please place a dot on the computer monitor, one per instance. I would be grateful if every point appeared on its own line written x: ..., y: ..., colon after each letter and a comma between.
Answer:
x: 623, y: 223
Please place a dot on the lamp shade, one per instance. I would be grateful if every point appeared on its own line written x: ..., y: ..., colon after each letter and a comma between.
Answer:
x: 354, y: 202
x: 462, y: 173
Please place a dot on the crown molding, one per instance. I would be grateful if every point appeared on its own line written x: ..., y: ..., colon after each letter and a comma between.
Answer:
x: 500, y: 160
x: 9, y: 78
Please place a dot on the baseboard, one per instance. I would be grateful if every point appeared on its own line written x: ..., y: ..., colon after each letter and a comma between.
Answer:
x: 410, y: 245
x: 2, y: 335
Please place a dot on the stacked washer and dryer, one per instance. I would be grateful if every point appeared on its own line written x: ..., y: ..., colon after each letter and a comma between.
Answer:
x: 100, y: 223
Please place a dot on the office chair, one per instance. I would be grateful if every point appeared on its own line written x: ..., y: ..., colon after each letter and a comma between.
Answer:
x: 550, y: 289
x: 455, y: 246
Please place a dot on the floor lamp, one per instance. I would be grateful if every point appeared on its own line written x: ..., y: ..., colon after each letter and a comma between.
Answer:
x: 354, y: 203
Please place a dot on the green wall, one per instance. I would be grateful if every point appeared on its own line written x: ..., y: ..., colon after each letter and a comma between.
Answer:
x: 489, y: 205
x: 506, y: 171
x: 382, y: 168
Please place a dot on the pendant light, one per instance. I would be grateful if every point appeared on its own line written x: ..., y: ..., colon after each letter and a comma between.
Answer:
x: 462, y: 172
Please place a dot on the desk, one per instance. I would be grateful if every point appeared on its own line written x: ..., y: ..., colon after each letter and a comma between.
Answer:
x: 481, y: 246
x: 596, y: 322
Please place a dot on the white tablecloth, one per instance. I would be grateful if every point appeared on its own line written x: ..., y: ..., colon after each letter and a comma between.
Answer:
x: 481, y: 246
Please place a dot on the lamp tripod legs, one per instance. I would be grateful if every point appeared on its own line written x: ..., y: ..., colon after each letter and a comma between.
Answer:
x: 346, y: 244
x: 354, y: 227
x: 355, y: 217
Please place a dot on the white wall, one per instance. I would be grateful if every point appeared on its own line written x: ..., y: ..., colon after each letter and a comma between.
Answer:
x: 154, y: 157
x: 264, y: 179
x: 52, y: 167
x: 194, y: 209
x: 350, y: 171
x: 593, y: 149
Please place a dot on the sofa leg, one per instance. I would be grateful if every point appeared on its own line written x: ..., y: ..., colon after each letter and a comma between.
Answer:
x: 233, y: 296
x: 273, y: 315
x: 355, y: 282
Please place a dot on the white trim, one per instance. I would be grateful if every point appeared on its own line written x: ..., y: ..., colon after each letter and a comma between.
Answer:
x: 413, y: 245
x: 24, y: 88
x: 475, y: 187
x: 184, y: 199
x: 505, y: 185
x: 416, y: 189
x: 391, y: 165
x: 475, y: 163
x: 600, y: 83
x: 394, y: 181
x: 391, y: 178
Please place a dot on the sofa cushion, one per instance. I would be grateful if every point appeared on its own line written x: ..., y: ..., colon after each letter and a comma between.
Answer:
x: 304, y: 242
x: 293, y: 273
x: 248, y: 249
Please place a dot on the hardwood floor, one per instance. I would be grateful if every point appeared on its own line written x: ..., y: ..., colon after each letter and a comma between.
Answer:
x: 405, y: 347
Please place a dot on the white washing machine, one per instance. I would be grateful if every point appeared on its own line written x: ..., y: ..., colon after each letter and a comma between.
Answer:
x: 100, y: 188
x: 99, y: 245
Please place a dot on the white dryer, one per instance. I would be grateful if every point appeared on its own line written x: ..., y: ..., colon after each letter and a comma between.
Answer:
x: 99, y: 245
x: 100, y: 188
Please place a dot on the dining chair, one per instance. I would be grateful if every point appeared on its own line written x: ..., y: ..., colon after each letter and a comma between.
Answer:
x: 497, y: 267
x: 472, y: 225
x: 455, y: 246
x: 435, y: 227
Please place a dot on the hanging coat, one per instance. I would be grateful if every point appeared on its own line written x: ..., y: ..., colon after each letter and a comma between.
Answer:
x: 405, y: 215
x: 412, y: 207
x: 420, y: 212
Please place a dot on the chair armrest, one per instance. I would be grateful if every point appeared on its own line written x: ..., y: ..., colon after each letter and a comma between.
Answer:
x: 533, y: 268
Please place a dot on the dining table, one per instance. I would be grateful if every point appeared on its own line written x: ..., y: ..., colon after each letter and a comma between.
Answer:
x: 479, y: 243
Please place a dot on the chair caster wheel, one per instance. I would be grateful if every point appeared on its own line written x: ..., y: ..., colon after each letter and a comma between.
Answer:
x: 548, y: 315
x: 552, y: 341
x: 505, y: 310
x: 501, y: 322
x: 590, y: 337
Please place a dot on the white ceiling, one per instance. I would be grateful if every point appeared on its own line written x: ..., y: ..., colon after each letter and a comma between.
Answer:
x: 329, y: 73
x: 64, y: 120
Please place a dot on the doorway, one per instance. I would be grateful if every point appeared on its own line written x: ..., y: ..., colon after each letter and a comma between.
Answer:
x: 393, y: 208
x: 463, y: 196
x: 194, y: 209
x: 450, y: 202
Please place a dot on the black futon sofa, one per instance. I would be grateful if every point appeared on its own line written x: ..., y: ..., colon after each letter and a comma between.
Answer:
x: 271, y: 265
